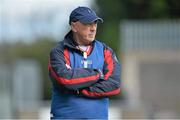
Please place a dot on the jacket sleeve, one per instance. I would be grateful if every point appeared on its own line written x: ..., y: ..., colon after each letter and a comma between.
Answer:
x: 110, y: 84
x: 72, y: 79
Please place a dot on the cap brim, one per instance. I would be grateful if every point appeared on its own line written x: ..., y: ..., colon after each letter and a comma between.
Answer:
x: 91, y: 19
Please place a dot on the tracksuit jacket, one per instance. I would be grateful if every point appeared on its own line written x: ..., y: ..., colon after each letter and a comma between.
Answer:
x: 81, y: 92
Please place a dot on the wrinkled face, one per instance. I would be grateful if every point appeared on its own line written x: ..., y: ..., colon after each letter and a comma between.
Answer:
x: 84, y: 33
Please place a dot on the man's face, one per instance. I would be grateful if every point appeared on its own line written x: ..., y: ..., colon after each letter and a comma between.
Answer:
x: 85, y: 33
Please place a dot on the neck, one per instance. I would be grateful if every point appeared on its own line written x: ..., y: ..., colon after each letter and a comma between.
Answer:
x: 77, y: 39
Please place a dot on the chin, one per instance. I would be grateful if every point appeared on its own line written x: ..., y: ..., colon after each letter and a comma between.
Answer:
x: 91, y: 40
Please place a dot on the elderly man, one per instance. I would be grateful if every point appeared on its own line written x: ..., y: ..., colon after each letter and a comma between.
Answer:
x: 84, y: 71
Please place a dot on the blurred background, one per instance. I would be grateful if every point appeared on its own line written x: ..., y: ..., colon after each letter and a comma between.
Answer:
x: 144, y: 33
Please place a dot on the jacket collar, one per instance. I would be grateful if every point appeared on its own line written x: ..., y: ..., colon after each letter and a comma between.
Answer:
x: 69, y: 41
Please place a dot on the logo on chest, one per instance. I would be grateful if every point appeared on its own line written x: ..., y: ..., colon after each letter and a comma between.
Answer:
x: 86, y: 63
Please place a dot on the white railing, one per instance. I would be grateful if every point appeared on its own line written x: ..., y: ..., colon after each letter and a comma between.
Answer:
x: 150, y: 35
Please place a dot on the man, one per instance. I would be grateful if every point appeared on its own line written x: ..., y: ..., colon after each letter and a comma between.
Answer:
x: 84, y: 71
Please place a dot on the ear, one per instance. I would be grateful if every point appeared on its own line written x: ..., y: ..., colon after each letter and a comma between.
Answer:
x: 73, y: 27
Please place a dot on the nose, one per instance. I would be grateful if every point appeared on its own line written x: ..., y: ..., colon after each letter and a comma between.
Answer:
x: 93, y: 27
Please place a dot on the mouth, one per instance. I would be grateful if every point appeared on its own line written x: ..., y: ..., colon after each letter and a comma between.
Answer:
x: 91, y: 35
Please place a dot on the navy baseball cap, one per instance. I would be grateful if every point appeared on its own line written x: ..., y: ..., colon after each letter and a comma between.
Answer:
x: 84, y: 15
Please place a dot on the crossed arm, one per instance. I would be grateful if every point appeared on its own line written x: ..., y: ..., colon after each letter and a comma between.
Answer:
x: 89, y: 81
x: 110, y: 84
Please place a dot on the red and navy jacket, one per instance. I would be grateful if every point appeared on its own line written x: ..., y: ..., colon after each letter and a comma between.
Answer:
x: 74, y: 85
